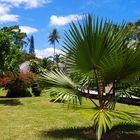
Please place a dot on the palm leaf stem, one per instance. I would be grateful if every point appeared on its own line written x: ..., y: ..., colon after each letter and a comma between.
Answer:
x: 93, y: 102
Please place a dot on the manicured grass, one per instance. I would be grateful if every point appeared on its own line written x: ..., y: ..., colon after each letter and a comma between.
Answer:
x: 37, y: 118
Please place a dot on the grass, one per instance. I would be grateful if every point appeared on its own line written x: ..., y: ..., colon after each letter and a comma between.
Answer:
x: 37, y: 118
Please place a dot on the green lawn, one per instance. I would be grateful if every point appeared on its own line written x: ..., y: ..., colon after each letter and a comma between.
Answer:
x: 37, y: 118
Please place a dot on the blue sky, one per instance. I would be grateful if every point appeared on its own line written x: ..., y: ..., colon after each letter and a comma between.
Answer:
x: 39, y: 17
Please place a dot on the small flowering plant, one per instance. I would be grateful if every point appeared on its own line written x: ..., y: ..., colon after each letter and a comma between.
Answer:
x: 16, y: 83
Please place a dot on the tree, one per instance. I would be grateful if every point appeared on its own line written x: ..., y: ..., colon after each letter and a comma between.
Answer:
x: 53, y: 38
x: 4, y: 50
x: 18, y: 38
x: 32, y: 48
x: 99, y: 51
x: 11, y: 42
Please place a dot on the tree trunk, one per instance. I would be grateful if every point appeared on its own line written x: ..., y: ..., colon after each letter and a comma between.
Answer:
x: 54, y: 54
x: 100, y: 88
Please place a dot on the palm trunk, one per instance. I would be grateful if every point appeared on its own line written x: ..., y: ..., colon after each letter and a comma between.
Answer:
x: 113, y: 89
x: 100, y: 88
x: 54, y: 54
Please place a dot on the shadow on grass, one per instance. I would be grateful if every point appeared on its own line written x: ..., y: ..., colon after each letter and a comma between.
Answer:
x: 10, y: 102
x: 126, y: 127
x: 67, y: 133
x: 119, y: 132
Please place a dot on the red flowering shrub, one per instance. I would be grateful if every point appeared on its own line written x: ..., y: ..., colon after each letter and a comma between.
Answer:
x: 17, y: 83
x: 4, y: 82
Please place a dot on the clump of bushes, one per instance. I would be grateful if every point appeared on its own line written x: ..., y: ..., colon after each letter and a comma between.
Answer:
x: 17, y: 84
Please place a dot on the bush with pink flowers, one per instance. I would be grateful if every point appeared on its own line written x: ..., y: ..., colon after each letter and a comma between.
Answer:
x: 17, y: 83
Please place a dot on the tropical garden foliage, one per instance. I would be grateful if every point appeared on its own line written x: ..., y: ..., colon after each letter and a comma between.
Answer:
x: 98, y: 51
x: 11, y: 41
x: 17, y: 84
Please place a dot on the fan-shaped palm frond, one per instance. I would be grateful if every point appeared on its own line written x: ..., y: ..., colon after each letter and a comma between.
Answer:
x: 56, y: 78
x: 61, y: 86
x: 87, y: 44
x: 121, y: 66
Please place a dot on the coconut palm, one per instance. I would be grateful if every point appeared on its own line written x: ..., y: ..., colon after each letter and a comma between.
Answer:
x: 53, y: 38
x: 97, y: 50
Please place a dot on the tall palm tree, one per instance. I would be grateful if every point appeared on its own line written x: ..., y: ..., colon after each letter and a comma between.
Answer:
x: 99, y: 50
x: 53, y: 38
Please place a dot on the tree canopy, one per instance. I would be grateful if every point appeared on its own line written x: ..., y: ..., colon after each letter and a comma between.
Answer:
x: 18, y: 38
x: 11, y: 42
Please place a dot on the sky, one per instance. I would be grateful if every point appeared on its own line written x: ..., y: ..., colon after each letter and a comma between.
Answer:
x: 39, y: 17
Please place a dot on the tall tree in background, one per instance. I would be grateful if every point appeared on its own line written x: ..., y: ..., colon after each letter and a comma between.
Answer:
x: 53, y: 38
x: 32, y: 48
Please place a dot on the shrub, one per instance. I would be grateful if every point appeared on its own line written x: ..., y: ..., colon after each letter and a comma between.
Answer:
x: 17, y: 83
x: 36, y: 89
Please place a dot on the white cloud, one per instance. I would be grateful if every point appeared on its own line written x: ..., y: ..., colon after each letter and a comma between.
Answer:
x: 63, y: 20
x: 5, y: 16
x: 8, y: 18
x: 7, y: 5
x: 36, y: 3
x: 26, y: 3
x: 46, y: 52
x: 28, y: 30
x: 4, y: 9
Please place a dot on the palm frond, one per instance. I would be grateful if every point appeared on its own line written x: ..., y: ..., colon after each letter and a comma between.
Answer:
x: 53, y: 37
x: 121, y: 66
x: 88, y: 43
x: 61, y: 86
x: 103, y: 120
x: 134, y: 89
x: 55, y: 78
x: 65, y: 94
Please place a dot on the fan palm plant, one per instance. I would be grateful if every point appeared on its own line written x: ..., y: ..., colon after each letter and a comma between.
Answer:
x: 99, y: 50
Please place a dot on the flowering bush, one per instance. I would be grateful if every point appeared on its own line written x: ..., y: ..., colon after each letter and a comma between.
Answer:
x: 17, y: 83
x: 4, y: 82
